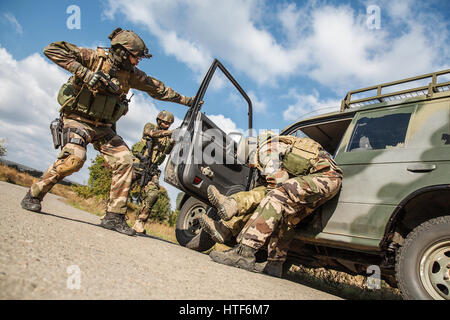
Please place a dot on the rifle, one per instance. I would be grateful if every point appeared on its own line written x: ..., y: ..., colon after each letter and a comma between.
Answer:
x: 107, y: 83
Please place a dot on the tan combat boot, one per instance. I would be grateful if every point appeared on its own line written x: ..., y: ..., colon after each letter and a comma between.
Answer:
x: 271, y: 268
x: 216, y: 229
x: 139, y: 226
x: 241, y: 256
x: 117, y: 222
x: 226, y: 206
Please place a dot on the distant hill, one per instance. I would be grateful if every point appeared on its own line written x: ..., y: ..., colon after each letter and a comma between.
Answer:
x: 31, y: 171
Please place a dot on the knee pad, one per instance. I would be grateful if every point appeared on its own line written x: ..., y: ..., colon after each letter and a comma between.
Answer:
x: 69, y: 165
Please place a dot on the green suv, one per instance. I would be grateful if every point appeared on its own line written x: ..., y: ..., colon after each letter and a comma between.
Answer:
x: 392, y: 214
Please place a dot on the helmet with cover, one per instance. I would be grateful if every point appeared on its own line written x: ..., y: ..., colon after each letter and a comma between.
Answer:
x: 166, y: 117
x: 130, y: 41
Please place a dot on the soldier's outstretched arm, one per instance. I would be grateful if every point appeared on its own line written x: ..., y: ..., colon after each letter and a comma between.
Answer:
x: 72, y: 58
x: 151, y: 131
x: 157, y: 89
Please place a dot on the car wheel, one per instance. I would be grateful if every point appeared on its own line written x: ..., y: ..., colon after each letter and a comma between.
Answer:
x: 188, y: 230
x: 423, y: 262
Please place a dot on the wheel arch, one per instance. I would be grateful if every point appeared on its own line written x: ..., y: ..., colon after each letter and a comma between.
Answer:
x: 421, y: 205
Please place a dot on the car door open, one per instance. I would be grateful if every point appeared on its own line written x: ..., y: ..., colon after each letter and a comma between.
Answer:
x: 205, y: 154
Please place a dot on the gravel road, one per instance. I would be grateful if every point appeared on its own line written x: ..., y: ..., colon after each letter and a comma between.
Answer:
x: 64, y: 254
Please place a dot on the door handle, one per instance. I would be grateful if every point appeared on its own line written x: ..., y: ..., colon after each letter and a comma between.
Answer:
x: 421, y: 167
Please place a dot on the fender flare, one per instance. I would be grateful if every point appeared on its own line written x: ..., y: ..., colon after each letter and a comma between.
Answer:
x: 390, y: 227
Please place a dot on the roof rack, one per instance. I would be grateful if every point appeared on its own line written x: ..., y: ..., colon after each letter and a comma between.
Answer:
x: 426, y: 90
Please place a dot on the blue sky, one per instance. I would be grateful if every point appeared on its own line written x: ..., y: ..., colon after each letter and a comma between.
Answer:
x: 291, y: 57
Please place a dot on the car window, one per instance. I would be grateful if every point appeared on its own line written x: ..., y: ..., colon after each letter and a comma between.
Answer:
x: 378, y: 130
x: 299, y: 134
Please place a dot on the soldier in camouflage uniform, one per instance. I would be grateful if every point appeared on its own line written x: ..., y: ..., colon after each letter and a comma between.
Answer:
x: 311, y: 177
x: 92, y: 101
x: 235, y: 210
x: 161, y: 144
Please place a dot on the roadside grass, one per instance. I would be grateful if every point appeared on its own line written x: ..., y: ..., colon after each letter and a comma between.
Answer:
x: 338, y: 283
x: 92, y: 205
x: 334, y: 282
x: 341, y: 284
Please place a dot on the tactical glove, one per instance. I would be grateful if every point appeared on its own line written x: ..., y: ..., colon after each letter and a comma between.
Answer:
x: 190, y: 101
x: 88, y: 77
x: 91, y: 78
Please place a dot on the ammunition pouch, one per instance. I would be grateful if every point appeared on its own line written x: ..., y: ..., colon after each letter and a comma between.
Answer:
x: 92, y: 105
x: 301, y: 155
x: 137, y: 149
x: 296, y: 164
x: 78, y: 141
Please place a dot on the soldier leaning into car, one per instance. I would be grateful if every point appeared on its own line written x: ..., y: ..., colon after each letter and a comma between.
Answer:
x: 240, y: 206
x: 161, y: 145
x: 311, y: 177
x: 92, y: 100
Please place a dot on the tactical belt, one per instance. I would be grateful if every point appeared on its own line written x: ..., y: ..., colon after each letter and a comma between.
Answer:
x: 96, y: 123
x: 78, y: 141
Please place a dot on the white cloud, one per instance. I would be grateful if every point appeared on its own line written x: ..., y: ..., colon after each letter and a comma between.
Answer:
x: 196, y: 31
x: 308, y: 104
x: 259, y: 105
x: 28, y: 103
x: 329, y: 44
x: 13, y: 21
x: 28, y: 90
x: 225, y: 124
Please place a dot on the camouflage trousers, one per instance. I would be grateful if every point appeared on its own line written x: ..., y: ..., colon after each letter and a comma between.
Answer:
x: 72, y: 157
x: 247, y: 202
x: 283, y: 208
x: 149, y: 198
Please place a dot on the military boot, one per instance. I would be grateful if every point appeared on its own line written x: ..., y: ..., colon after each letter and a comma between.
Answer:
x: 139, y: 226
x: 226, y: 206
x: 271, y: 268
x: 241, y: 256
x: 115, y: 221
x: 31, y: 203
x: 216, y: 229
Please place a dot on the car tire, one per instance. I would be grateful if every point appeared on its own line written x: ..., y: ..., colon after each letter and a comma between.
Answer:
x: 423, y: 262
x: 188, y: 230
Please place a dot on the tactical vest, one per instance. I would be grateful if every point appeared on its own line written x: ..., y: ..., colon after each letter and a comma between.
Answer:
x: 75, y: 97
x: 298, y: 159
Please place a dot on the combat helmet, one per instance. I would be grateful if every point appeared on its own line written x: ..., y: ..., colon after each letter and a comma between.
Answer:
x: 264, y: 136
x: 130, y: 41
x: 165, y: 116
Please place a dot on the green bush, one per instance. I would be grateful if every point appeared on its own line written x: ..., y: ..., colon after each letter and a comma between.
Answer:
x: 172, y: 219
x: 3, y: 151
x: 99, y: 182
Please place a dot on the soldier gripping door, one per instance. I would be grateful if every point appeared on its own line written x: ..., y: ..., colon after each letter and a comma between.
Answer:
x: 92, y: 101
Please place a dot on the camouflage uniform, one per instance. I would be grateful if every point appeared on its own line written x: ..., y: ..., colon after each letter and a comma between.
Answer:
x: 288, y: 200
x: 162, y: 145
x: 285, y: 206
x: 271, y: 177
x: 91, y: 112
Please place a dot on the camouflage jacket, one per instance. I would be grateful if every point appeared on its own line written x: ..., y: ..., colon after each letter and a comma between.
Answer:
x: 70, y: 57
x: 162, y: 144
x: 271, y: 166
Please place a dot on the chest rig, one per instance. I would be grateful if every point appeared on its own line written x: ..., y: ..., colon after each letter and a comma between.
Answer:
x: 98, y: 105
x: 299, y: 156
